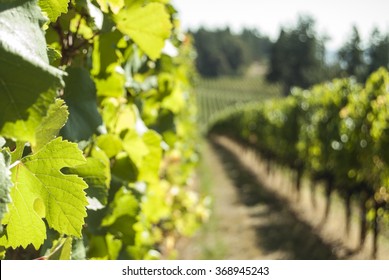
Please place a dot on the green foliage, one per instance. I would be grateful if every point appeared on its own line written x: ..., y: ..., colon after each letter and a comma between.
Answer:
x: 351, y: 56
x: 378, y: 51
x: 80, y: 96
x: 25, y: 72
x: 359, y: 61
x: 147, y: 25
x: 124, y: 105
x: 297, y: 57
x: 220, y: 52
x: 336, y: 132
x: 214, y: 96
x: 5, y: 179
x: 54, y: 8
x: 42, y: 191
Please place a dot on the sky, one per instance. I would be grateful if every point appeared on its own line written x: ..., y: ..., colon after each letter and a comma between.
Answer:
x: 334, y: 18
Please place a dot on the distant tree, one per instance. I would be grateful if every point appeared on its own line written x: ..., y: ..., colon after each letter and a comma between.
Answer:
x: 351, y: 56
x: 233, y: 50
x: 297, y: 57
x: 218, y: 52
x: 278, y: 70
x: 208, y: 61
x: 378, y: 51
x: 257, y: 45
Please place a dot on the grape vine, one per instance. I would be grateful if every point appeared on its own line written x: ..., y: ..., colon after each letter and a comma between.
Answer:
x: 336, y: 133
x: 97, y: 134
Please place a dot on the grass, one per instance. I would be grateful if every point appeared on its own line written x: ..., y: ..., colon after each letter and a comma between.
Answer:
x: 217, y: 249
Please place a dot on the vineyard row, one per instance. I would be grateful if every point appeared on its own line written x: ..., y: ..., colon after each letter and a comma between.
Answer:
x: 336, y: 133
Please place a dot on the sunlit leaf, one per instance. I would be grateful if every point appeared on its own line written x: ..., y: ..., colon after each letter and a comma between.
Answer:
x: 25, y: 72
x: 54, y: 8
x: 149, y: 26
x: 40, y: 189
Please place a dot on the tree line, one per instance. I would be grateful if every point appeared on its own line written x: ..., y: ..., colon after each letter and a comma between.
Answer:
x: 298, y: 57
x: 221, y: 52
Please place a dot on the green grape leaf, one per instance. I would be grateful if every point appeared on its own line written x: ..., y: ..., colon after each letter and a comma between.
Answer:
x: 115, y: 5
x: 80, y: 25
x: 174, y: 102
x: 5, y: 180
x: 103, y: 5
x: 78, y: 249
x: 54, y: 8
x: 111, y: 144
x: 62, y: 250
x: 80, y: 96
x: 50, y: 125
x: 124, y: 168
x: 104, y: 52
x: 149, y: 170
x: 118, y: 117
x: 155, y: 208
x: 46, y: 117
x: 135, y: 147
x: 145, y: 153
x: 96, y: 174
x: 25, y: 129
x: 111, y: 86
x: 17, y: 153
x: 41, y: 190
x: 149, y: 26
x: 114, y: 245
x: 53, y: 54
x: 25, y: 72
x: 124, y: 204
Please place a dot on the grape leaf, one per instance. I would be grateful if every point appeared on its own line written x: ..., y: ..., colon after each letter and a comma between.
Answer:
x: 174, y: 102
x: 155, y: 208
x: 134, y: 145
x: 25, y: 129
x: 104, y: 52
x: 42, y: 191
x: 115, y: 5
x: 149, y: 170
x: 118, y: 117
x: 124, y: 168
x: 49, y: 126
x: 96, y: 174
x: 43, y: 123
x: 80, y: 96
x: 123, y: 204
x: 5, y: 180
x: 25, y: 71
x: 62, y: 249
x: 78, y: 249
x: 111, y: 144
x: 149, y: 26
x: 111, y: 86
x: 54, y: 8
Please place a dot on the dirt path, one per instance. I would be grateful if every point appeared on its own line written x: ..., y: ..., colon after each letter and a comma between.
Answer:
x: 251, y: 221
x: 230, y: 233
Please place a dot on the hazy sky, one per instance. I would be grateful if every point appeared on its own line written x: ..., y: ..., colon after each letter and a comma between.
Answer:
x: 333, y: 17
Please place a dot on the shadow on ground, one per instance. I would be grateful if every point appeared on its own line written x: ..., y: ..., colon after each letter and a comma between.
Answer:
x: 278, y: 230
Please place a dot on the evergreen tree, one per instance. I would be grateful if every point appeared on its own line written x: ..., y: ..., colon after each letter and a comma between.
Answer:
x: 220, y: 52
x: 297, y: 57
x: 351, y: 57
x: 378, y: 51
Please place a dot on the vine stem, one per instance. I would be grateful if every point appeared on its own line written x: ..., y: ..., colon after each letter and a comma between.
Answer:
x: 14, y: 164
x: 57, y: 248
